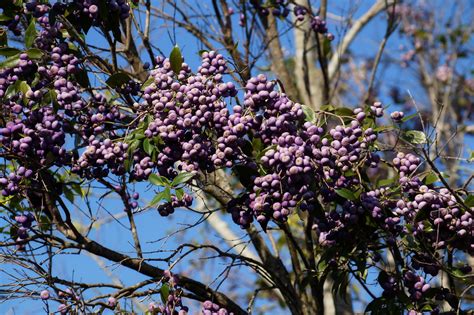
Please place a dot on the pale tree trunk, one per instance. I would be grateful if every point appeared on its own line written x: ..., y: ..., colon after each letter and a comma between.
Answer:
x: 309, y: 79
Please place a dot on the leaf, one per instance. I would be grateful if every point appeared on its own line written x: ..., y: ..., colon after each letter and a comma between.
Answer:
x: 147, y: 146
x: 346, y: 193
x: 147, y: 83
x: 245, y: 174
x: 69, y: 194
x: 159, y: 180
x: 8, y: 51
x: 308, y: 113
x: 17, y: 87
x: 469, y: 201
x: 4, y: 18
x: 374, y: 306
x: 118, y: 79
x: 328, y: 108
x: 3, y: 37
x: 415, y: 137
x: 34, y: 53
x: 344, y: 111
x: 179, y: 193
x: 176, y: 59
x: 407, y: 118
x: 134, y: 145
x: 326, y: 46
x: 78, y: 189
x: 30, y: 34
x: 431, y: 178
x: 10, y: 62
x: 162, y: 195
x: 82, y: 78
x: 386, y: 182
x: 164, y: 293
x: 182, y: 178
x: 257, y: 144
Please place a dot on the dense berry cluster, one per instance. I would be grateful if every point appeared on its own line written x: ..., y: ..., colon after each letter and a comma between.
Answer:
x: 416, y: 285
x: 91, y: 9
x: 185, y: 106
x: 24, y: 222
x: 277, y: 8
x: 168, y: 208
x: 184, y: 121
x: 209, y: 308
x: 173, y: 304
x: 100, y: 157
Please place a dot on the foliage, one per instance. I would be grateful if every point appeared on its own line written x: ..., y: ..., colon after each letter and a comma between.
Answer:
x: 348, y: 192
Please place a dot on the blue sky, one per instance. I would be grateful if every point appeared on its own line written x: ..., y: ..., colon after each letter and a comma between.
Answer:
x: 153, y: 227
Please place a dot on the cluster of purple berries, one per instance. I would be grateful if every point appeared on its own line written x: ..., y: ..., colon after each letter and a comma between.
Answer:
x: 168, y: 208
x: 209, y: 308
x: 300, y: 12
x: 131, y: 87
x: 319, y: 26
x: 300, y: 158
x: 416, y: 285
x: 277, y: 8
x: 24, y: 221
x: 173, y: 304
x: 184, y: 106
x: 10, y: 184
x: 100, y: 157
x: 90, y: 9
x: 397, y: 116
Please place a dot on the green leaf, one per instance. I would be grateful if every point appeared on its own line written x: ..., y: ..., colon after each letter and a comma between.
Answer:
x: 407, y: 118
x: 78, y: 189
x: 69, y: 194
x: 9, y: 51
x: 431, y: 178
x: 308, y: 113
x: 344, y: 111
x: 182, y: 178
x: 135, y: 144
x: 328, y: 108
x: 4, y: 18
x: 3, y: 37
x: 326, y: 46
x: 386, y: 182
x: 346, y: 193
x: 164, y: 293
x: 176, y: 59
x: 159, y: 180
x: 415, y: 137
x: 257, y: 144
x: 30, y: 34
x: 118, y: 79
x: 147, y: 146
x: 147, y: 83
x: 10, y: 62
x: 469, y: 201
x: 17, y: 87
x: 82, y: 78
x: 179, y: 193
x: 162, y: 195
x: 34, y: 53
